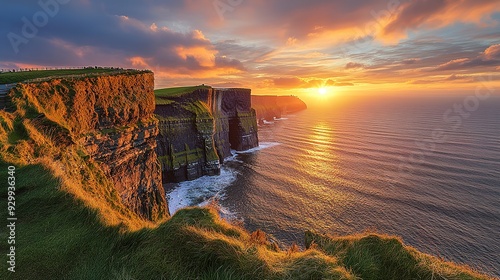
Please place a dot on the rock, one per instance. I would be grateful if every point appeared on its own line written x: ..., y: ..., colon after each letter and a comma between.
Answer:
x: 269, y: 107
x: 111, y: 116
x: 199, y: 129
x: 128, y: 157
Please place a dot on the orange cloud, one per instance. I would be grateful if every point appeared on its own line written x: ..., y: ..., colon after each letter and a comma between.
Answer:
x: 493, y: 52
x: 295, y: 82
x: 138, y: 61
x: 433, y: 14
x: 205, y: 57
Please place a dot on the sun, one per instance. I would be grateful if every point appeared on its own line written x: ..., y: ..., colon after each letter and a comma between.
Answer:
x: 322, y: 91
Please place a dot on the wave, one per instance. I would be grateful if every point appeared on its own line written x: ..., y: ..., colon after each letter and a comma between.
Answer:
x: 263, y: 145
x: 207, y: 189
x: 200, y: 191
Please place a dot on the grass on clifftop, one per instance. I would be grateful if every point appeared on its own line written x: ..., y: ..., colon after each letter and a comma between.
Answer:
x: 165, y: 93
x: 16, y: 77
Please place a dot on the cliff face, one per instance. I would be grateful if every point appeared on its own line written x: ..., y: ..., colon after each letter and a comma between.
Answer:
x: 236, y: 123
x: 111, y: 117
x: 268, y: 107
x: 199, y: 129
x: 129, y: 158
x: 186, y: 146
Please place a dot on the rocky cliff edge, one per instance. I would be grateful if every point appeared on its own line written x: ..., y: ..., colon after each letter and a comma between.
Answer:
x: 109, y: 120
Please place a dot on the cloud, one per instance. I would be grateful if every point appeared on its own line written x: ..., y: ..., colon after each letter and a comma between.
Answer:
x: 463, y: 78
x: 295, y: 82
x: 490, y: 57
x: 354, y: 65
x: 410, y: 61
x: 280, y: 44
x: 288, y: 82
x: 492, y: 52
x: 88, y: 33
x: 433, y: 14
x: 454, y: 64
x: 456, y: 78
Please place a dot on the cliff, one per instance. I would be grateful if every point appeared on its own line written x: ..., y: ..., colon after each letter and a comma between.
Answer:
x: 236, y: 123
x: 109, y: 119
x: 268, y: 107
x: 198, y: 128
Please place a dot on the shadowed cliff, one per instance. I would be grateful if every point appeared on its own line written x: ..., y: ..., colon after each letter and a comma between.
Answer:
x: 199, y: 126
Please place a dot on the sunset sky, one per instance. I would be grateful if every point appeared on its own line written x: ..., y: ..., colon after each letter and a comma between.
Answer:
x: 273, y: 47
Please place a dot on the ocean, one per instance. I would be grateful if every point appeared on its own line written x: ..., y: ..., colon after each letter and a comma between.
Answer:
x: 424, y: 168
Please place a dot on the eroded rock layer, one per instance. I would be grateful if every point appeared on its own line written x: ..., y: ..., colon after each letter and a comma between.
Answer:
x: 199, y: 129
x: 111, y: 117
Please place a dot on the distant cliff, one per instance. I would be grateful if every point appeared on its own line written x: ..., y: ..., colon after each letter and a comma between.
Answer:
x: 268, y: 107
x: 111, y: 118
x: 198, y: 128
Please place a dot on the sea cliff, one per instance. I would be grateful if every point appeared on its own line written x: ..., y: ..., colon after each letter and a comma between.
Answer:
x: 199, y: 127
x: 109, y: 120
x: 268, y: 107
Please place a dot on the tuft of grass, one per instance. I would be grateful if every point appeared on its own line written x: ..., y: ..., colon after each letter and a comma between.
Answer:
x: 374, y: 256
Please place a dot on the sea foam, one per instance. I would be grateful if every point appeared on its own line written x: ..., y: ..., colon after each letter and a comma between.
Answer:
x: 204, y: 190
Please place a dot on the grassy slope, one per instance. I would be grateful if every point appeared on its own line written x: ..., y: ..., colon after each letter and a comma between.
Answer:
x: 59, y: 237
x: 16, y: 77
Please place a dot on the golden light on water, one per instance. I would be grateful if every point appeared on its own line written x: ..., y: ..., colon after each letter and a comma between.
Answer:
x: 320, y: 156
x: 321, y: 163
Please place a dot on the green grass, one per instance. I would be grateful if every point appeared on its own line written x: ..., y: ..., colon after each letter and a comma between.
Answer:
x: 16, y: 77
x: 58, y: 237
x: 177, y: 91
x: 375, y: 256
x: 18, y: 132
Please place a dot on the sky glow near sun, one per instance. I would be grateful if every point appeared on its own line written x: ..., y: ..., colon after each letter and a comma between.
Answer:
x: 307, y: 48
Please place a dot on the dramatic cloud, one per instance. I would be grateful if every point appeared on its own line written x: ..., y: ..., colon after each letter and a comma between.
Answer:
x: 490, y: 57
x: 431, y: 14
x: 83, y: 33
x: 493, y: 52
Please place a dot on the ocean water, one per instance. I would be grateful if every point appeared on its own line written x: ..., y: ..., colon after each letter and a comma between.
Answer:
x: 407, y: 166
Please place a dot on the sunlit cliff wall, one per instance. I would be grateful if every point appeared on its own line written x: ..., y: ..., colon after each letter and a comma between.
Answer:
x: 111, y: 117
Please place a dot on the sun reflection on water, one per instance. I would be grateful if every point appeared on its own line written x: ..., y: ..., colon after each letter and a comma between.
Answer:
x: 321, y: 163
